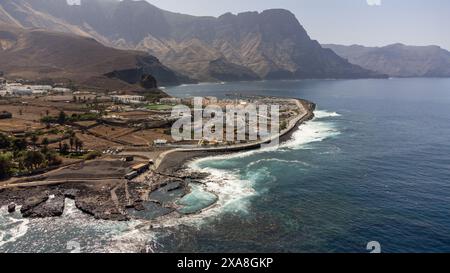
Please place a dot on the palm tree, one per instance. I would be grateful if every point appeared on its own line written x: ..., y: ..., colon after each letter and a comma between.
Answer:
x: 78, y: 145
x: 45, y: 143
x: 64, y: 149
x: 71, y: 142
x: 62, y: 117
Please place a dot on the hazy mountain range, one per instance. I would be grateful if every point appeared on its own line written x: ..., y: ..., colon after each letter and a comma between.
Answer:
x: 247, y: 46
x: 41, y: 55
x: 398, y: 60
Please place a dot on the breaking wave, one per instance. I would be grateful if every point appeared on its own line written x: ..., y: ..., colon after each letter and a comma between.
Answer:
x: 12, y: 227
x: 319, y: 114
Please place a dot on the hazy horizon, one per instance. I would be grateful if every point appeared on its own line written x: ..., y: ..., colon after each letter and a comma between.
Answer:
x: 363, y: 22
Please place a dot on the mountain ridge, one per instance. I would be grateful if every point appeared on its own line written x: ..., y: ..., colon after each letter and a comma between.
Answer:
x: 36, y: 54
x: 272, y: 44
x: 398, y: 60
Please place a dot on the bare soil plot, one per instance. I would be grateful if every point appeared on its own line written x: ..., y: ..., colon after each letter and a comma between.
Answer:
x: 87, y: 123
x: 91, y: 142
x: 146, y: 137
x: 29, y: 112
x: 93, y: 170
x: 111, y: 132
x: 135, y: 114
x: 19, y: 125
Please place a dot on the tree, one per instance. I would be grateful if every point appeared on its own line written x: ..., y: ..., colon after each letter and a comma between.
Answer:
x: 34, y: 138
x: 5, y: 142
x: 64, y: 149
x: 78, y: 145
x: 62, y: 117
x: 19, y: 144
x: 70, y: 133
x: 33, y: 160
x: 52, y: 158
x: 5, y: 165
x: 72, y: 142
x: 93, y: 155
x: 45, y: 142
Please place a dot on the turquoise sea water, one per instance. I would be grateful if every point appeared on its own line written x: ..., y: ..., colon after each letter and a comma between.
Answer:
x: 374, y: 165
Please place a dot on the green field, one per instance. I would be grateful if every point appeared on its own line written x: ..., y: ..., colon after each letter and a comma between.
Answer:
x: 159, y: 107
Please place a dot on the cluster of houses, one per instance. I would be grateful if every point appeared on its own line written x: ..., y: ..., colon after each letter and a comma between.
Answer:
x: 128, y: 99
x: 136, y: 99
x: 188, y: 101
x: 18, y: 89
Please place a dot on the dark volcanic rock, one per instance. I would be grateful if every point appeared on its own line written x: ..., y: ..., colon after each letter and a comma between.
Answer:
x: 11, y: 208
x: 139, y: 206
x: 52, y: 207
x: 71, y: 193
x: 174, y: 186
x: 100, y: 210
x: 33, y: 202
x: 99, y: 204
x: 197, y: 175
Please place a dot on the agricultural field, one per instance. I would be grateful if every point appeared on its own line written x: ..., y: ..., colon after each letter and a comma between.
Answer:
x: 159, y: 107
x: 94, y: 143
x: 145, y: 137
x: 15, y: 125
x: 110, y: 132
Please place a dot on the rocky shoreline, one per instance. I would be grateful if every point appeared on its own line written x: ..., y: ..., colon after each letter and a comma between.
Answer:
x: 153, y: 196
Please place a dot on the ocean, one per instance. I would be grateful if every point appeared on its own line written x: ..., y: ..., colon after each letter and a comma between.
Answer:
x: 373, y: 165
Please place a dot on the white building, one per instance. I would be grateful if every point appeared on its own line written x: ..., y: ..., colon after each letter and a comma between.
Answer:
x: 128, y: 99
x: 170, y: 100
x: 61, y: 90
x: 41, y: 89
x: 39, y: 92
x: 211, y: 100
x: 160, y: 142
x: 20, y: 90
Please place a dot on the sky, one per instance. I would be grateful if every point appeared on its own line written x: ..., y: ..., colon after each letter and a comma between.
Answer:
x: 365, y: 22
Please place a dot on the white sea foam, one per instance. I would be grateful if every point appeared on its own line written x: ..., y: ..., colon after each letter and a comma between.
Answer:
x: 283, y: 161
x: 12, y: 227
x: 319, y: 114
x: 310, y: 132
x: 135, y: 238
